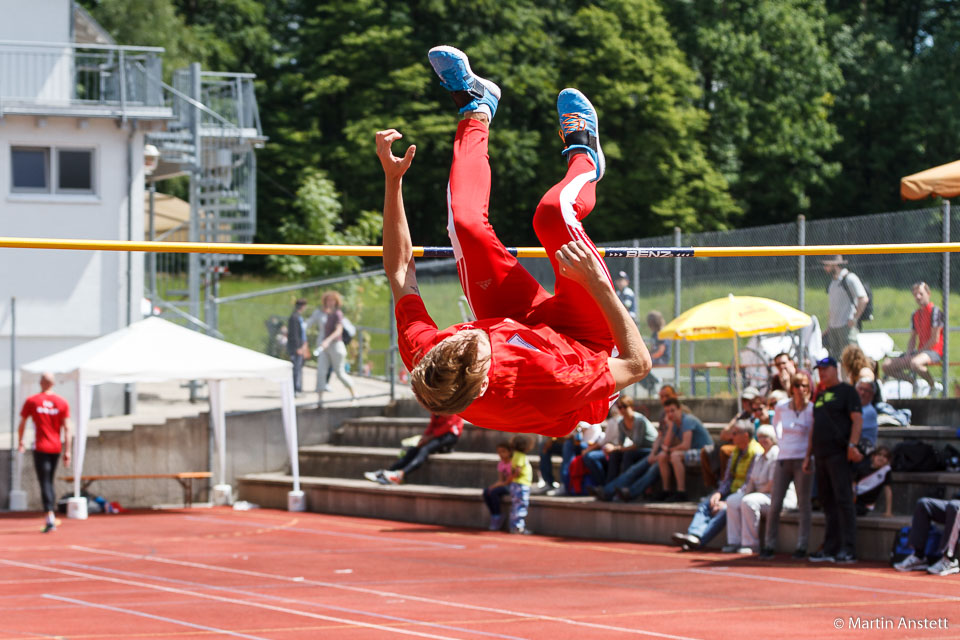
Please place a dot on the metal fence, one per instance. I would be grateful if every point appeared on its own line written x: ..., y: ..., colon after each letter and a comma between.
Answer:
x: 668, y: 285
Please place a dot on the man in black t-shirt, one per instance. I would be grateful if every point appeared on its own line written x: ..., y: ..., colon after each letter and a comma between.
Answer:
x: 837, y: 423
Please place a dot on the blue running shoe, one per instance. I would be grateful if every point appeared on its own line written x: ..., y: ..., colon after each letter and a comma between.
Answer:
x: 578, y: 127
x: 470, y: 92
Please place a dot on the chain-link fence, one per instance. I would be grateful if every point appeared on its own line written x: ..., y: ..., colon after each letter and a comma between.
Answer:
x: 254, y: 319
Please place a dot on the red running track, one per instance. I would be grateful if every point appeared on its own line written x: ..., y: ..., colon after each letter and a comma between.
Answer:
x: 272, y: 575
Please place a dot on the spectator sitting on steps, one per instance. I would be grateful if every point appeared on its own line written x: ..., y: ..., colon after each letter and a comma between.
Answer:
x: 934, y: 510
x: 746, y: 505
x: 866, y: 388
x: 784, y: 369
x: 440, y: 436
x: 872, y: 481
x: 634, y: 481
x: 714, y: 456
x: 711, y: 515
x: 687, y: 437
x: 925, y: 346
x: 625, y: 442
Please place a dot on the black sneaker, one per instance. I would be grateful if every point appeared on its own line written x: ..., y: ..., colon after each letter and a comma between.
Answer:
x: 599, y: 493
x: 766, y: 553
x: 685, y: 540
x: 679, y: 496
x: 624, y: 494
x: 845, y: 557
x: 821, y: 556
x: 660, y: 496
x: 800, y: 553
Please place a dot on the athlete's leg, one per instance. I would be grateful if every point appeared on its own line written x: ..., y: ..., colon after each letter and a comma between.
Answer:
x: 558, y: 220
x: 493, y: 281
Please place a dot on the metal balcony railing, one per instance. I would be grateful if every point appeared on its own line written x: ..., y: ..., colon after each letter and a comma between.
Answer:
x: 91, y: 79
x: 229, y: 96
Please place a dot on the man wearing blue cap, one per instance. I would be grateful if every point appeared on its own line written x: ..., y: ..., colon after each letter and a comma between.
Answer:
x: 837, y: 423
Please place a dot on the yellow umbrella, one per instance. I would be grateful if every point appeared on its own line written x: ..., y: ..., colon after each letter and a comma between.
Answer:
x: 733, y: 317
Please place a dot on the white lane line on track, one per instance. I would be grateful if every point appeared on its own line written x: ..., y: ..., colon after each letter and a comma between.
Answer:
x: 267, y: 596
x: 320, y: 532
x: 523, y: 577
x: 205, y: 596
x: 378, y: 592
x: 17, y: 633
x: 818, y: 583
x: 141, y: 614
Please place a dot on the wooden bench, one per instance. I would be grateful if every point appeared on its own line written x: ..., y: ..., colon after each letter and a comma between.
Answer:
x: 185, y: 479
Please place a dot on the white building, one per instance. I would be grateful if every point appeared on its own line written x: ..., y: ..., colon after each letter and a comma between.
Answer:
x: 74, y: 109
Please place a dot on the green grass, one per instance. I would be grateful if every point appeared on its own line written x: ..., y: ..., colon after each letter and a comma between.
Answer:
x: 368, y: 304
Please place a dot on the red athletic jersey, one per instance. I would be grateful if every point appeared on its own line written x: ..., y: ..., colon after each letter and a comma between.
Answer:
x: 924, y: 321
x: 48, y: 411
x: 441, y: 425
x: 540, y: 381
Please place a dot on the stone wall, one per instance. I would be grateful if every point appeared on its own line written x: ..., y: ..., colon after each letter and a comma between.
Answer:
x: 255, y: 443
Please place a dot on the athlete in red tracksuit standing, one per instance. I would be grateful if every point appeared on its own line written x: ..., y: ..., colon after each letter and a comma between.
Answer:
x: 531, y: 362
x: 50, y: 414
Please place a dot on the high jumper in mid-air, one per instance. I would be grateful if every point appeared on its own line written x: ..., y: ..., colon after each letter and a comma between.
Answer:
x: 531, y: 361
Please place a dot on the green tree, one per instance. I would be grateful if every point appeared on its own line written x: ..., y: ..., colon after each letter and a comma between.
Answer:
x: 768, y: 83
x: 149, y: 23
x: 622, y: 54
x: 317, y: 220
x: 894, y: 110
x: 359, y: 67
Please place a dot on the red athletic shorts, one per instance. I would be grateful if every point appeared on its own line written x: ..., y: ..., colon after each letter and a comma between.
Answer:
x: 495, y: 283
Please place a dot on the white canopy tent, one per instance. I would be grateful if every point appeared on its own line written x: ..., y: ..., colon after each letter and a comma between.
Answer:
x: 154, y: 350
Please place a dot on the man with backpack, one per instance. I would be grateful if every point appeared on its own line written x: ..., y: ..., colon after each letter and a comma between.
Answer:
x: 849, y: 306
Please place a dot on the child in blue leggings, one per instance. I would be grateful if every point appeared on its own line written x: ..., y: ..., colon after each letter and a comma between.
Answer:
x: 516, y: 475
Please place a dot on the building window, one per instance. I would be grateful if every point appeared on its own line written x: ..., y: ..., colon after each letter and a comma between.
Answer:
x: 31, y: 170
x: 46, y: 170
x: 75, y: 173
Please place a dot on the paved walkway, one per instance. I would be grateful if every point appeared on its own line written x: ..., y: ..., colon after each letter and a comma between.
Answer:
x: 158, y: 402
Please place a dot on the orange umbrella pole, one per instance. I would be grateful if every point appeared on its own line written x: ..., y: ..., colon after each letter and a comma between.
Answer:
x: 447, y: 252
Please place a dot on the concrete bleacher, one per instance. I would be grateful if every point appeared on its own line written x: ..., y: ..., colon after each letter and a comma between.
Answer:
x: 447, y: 490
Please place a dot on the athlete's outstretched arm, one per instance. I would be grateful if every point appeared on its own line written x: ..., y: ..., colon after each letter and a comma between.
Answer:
x: 632, y: 364
x: 397, y: 246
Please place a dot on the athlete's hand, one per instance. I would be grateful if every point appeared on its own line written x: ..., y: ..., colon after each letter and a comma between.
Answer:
x: 578, y: 262
x: 393, y: 167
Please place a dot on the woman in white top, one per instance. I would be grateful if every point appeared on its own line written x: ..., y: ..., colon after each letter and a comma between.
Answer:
x: 752, y: 500
x: 794, y: 419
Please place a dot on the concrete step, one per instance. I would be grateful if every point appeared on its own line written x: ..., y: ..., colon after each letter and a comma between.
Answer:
x: 456, y: 469
x: 474, y: 469
x: 570, y: 517
x: 378, y: 431
x: 908, y: 487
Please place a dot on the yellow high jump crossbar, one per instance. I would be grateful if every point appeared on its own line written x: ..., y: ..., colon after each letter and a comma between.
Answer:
x: 447, y: 252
